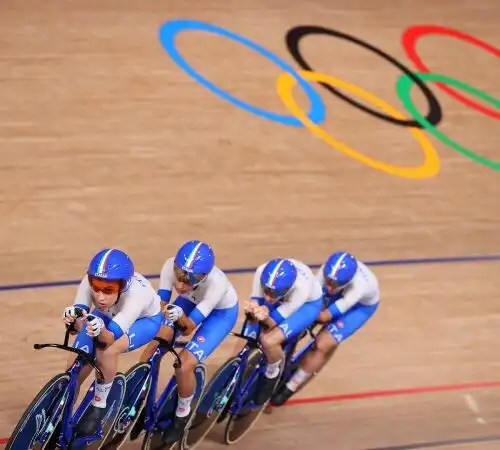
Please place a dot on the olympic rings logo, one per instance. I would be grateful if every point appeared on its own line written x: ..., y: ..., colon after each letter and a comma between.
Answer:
x: 313, y: 119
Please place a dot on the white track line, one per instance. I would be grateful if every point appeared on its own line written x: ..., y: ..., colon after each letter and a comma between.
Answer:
x: 474, y: 407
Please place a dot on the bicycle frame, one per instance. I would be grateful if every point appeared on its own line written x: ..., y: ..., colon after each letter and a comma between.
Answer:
x: 152, y: 407
x: 290, y: 358
x: 242, y: 387
x: 238, y: 397
x: 66, y: 405
x: 68, y: 400
x: 68, y: 421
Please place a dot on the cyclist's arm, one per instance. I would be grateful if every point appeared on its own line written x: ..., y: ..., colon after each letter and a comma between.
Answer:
x: 82, y: 300
x: 319, y: 275
x: 257, y: 295
x: 122, y: 322
x: 257, y: 291
x: 210, y: 300
x: 287, y: 308
x: 346, y: 302
x: 166, y: 282
x: 83, y: 297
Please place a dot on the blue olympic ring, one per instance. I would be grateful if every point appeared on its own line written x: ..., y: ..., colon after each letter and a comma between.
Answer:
x: 169, y: 31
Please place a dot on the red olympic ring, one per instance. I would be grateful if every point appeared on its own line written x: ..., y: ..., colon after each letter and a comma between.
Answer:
x: 409, y: 40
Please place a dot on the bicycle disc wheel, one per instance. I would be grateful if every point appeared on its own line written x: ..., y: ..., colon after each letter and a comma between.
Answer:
x: 240, y: 423
x: 217, y: 395
x: 34, y: 423
x: 137, y: 389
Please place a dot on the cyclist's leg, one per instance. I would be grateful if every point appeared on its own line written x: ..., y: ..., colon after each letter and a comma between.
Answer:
x: 272, y: 342
x: 85, y: 342
x: 107, y: 360
x: 213, y: 330
x: 144, y: 330
x: 328, y: 340
x: 139, y: 334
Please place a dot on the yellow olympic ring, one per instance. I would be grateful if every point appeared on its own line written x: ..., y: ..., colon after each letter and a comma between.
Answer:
x: 429, y: 168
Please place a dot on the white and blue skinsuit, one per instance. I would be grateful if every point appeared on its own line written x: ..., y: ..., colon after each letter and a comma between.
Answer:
x: 137, y: 313
x: 213, y: 305
x: 352, y: 306
x: 297, y: 310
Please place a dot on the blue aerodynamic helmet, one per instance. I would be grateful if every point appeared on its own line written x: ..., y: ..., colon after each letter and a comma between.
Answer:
x: 278, y: 277
x: 113, y: 265
x: 193, y: 262
x: 339, y: 269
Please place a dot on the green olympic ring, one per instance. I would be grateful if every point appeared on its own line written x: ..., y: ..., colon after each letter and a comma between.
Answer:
x: 403, y: 88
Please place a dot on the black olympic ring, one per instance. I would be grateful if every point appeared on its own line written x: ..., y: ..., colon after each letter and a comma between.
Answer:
x: 295, y: 35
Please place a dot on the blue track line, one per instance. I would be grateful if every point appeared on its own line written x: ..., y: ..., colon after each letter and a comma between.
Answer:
x: 389, y: 262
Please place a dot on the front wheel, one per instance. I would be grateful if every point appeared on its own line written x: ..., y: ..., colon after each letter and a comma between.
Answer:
x: 218, y: 394
x: 41, y: 417
x: 240, y: 422
x: 138, y: 385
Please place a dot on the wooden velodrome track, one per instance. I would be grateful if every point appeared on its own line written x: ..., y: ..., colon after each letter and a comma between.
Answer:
x: 107, y: 141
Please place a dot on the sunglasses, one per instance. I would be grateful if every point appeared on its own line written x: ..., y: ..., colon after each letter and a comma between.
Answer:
x: 185, y: 277
x: 104, y: 286
x: 332, y: 284
x: 274, y: 293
